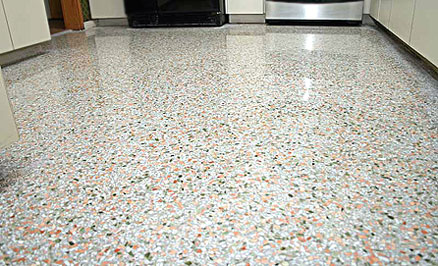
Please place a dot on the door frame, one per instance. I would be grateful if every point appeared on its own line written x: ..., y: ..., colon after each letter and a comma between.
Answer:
x: 72, y: 12
x: 55, y: 9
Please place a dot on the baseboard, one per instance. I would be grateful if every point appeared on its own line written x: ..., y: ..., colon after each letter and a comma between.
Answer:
x: 250, y: 18
x: 61, y: 33
x: 426, y: 64
x: 108, y: 22
x: 22, y: 54
x: 89, y: 24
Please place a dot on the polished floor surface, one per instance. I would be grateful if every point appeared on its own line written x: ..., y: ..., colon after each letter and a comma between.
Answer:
x: 256, y: 144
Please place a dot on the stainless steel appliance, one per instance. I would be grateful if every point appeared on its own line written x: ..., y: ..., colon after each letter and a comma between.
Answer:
x: 314, y: 10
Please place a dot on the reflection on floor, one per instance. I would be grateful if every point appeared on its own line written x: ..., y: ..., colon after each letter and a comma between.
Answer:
x: 56, y: 26
x: 242, y: 144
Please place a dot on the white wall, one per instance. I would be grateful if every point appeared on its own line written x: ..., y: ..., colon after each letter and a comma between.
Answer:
x: 366, y: 8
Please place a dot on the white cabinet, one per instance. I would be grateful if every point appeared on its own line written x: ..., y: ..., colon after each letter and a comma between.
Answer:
x: 107, y: 9
x: 414, y: 21
x: 245, y: 7
x: 374, y: 9
x: 385, y: 12
x: 27, y: 22
x: 366, y: 6
x: 8, y: 130
x: 402, y: 13
x: 5, y: 38
x: 424, y: 37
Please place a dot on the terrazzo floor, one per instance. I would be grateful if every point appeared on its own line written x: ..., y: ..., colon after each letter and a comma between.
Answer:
x: 239, y: 145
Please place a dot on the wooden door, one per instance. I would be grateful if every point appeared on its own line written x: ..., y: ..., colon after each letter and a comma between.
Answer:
x: 55, y: 9
x: 72, y: 12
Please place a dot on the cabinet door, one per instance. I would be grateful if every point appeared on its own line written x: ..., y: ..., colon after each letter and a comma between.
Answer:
x: 374, y: 9
x: 107, y: 9
x: 424, y: 37
x: 245, y: 7
x: 385, y: 12
x: 27, y: 21
x: 401, y: 18
x: 8, y: 131
x: 5, y: 38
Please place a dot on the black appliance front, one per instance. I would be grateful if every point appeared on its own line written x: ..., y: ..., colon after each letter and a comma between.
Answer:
x: 147, y: 13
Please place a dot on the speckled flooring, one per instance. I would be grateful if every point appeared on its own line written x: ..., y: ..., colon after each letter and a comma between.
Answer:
x: 240, y: 145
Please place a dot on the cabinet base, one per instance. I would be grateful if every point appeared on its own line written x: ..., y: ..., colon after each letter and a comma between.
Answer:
x: 424, y: 63
x: 180, y: 19
x: 250, y: 19
x: 111, y: 22
x: 22, y: 54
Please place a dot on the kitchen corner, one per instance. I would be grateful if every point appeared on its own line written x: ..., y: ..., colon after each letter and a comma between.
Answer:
x: 8, y: 130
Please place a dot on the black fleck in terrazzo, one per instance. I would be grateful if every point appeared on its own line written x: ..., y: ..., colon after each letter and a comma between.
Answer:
x: 234, y: 145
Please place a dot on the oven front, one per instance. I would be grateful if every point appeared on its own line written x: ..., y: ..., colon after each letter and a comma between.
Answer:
x: 349, y: 10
